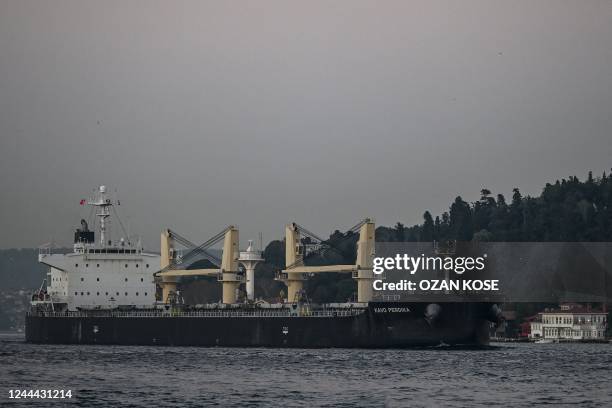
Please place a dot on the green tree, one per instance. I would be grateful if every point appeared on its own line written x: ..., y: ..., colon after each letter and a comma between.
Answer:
x: 399, y: 232
x: 461, y: 220
x: 427, y: 231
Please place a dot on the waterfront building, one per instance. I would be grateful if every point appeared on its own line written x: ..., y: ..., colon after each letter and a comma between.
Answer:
x: 570, y: 322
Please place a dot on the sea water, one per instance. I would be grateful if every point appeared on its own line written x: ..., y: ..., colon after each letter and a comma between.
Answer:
x: 508, y: 374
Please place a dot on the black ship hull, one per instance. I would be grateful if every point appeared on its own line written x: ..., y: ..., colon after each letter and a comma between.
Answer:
x: 380, y: 325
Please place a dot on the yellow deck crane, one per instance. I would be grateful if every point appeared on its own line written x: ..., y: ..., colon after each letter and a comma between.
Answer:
x: 173, y: 265
x: 295, y: 273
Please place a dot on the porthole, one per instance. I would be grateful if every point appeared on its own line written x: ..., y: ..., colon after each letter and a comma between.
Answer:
x: 136, y: 293
x: 125, y: 293
x: 87, y: 293
x: 81, y: 293
x: 141, y: 280
x: 147, y: 265
x: 76, y: 293
x: 137, y: 265
x: 87, y: 265
x: 97, y: 265
x: 106, y: 293
x: 117, y: 293
x: 82, y: 279
x: 126, y: 265
x: 98, y: 279
x: 76, y: 265
x: 126, y: 279
x: 145, y: 293
x: 97, y: 293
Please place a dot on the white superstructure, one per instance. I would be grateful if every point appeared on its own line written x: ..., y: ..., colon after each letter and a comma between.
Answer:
x: 99, y: 275
x: 570, y: 322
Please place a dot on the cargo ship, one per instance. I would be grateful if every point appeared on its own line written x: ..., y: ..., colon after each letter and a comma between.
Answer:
x: 114, y: 292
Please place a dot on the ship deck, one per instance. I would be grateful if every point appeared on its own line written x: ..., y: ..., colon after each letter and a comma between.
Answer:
x: 221, y: 313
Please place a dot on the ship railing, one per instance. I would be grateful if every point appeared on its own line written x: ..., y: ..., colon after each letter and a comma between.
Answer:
x: 201, y: 313
x: 386, y: 297
x: 333, y: 313
x: 44, y: 251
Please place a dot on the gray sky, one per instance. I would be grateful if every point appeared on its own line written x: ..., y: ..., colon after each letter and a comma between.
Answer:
x: 258, y: 113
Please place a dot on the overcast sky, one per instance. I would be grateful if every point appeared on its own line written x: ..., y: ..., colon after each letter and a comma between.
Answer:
x: 258, y: 113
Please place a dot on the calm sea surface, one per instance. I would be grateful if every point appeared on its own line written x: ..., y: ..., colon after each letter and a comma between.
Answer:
x: 508, y: 375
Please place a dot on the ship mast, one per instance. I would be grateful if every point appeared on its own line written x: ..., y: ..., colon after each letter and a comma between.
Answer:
x: 103, y: 203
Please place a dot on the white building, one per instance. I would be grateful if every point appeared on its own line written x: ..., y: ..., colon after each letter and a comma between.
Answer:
x: 570, y: 322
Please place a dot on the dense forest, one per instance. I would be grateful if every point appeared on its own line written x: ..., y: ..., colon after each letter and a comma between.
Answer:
x: 569, y: 210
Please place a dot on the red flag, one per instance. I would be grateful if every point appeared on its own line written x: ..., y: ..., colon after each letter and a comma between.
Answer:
x: 83, y: 201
